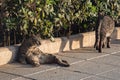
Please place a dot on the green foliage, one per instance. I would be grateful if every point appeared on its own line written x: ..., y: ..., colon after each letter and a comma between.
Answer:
x: 110, y: 7
x: 42, y: 16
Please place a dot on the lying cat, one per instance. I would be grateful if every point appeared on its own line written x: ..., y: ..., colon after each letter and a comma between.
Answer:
x: 30, y: 53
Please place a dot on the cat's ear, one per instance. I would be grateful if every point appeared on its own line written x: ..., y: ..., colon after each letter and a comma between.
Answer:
x: 32, y: 35
x: 38, y: 35
x: 101, y: 13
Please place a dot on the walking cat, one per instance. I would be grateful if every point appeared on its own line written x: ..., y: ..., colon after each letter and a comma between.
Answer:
x: 104, y: 28
x: 29, y: 53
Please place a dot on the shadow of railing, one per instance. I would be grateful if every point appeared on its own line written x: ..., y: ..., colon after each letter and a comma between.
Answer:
x: 13, y: 50
x: 115, y: 41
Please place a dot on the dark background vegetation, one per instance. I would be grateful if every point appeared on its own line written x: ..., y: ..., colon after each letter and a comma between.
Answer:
x: 51, y: 18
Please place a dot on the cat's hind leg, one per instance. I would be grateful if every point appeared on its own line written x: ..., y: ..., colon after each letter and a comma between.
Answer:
x: 108, y: 42
x: 62, y: 63
x: 101, y: 43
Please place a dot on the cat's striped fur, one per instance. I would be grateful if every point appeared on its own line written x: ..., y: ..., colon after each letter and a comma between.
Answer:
x: 104, y: 28
x: 29, y: 52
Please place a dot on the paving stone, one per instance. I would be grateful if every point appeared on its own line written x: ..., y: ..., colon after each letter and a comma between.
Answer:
x: 114, y: 74
x: 86, y: 64
x: 58, y: 74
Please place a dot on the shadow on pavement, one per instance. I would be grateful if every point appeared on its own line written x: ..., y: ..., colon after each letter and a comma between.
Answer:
x: 116, y: 41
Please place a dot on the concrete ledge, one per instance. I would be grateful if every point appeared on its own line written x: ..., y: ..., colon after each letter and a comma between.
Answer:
x: 64, y: 44
x: 7, y: 54
x: 117, y: 33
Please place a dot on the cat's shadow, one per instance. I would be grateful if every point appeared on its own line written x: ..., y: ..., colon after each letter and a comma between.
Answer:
x: 64, y: 40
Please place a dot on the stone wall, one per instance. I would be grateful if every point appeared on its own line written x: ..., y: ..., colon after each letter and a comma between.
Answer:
x: 7, y: 54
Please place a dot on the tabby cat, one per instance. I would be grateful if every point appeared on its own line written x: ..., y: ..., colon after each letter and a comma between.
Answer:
x: 30, y: 53
x: 26, y: 47
x: 104, y: 28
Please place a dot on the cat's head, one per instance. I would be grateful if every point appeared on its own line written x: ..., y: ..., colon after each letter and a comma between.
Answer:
x: 101, y: 13
x: 35, y: 39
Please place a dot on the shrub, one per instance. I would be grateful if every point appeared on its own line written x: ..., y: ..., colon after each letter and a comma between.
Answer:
x: 53, y: 18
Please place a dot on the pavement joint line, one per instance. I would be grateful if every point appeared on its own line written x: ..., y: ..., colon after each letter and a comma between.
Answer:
x: 77, y: 62
x: 102, y: 72
x: 70, y: 64
x: 38, y: 72
x: 97, y: 74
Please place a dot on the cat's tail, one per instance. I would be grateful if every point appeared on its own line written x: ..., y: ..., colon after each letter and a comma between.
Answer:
x: 62, y: 63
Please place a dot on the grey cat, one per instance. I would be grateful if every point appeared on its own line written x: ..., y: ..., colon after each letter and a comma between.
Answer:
x: 29, y: 53
x: 104, y: 28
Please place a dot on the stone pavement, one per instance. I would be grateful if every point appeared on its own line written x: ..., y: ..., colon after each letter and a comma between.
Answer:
x: 86, y: 64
